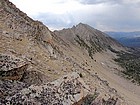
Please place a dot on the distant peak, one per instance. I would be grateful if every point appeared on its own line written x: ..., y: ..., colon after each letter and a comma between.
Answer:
x: 81, y: 24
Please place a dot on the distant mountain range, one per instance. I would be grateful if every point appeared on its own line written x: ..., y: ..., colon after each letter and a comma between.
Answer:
x: 130, y: 39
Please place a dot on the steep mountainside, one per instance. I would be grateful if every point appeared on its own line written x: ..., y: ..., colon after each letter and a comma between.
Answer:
x: 88, y: 38
x: 32, y: 58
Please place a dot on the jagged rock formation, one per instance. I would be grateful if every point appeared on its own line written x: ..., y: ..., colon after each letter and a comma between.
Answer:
x: 68, y: 90
x: 49, y: 56
x: 8, y: 88
x: 64, y: 91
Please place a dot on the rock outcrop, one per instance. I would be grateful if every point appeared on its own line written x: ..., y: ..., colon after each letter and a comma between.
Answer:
x: 65, y: 91
x: 8, y: 88
x: 12, y: 67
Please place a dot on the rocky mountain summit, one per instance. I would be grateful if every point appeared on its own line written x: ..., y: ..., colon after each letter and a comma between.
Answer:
x: 73, y: 66
x: 88, y: 38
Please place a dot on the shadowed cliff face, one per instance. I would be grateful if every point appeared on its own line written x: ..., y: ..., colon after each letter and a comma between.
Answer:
x: 50, y: 55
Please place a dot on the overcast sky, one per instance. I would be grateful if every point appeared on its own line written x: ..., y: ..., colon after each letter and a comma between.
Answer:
x: 105, y: 15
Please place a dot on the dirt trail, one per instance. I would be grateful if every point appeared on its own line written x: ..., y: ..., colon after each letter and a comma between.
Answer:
x: 128, y: 90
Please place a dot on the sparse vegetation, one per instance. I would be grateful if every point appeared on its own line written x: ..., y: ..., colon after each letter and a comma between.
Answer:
x: 131, y: 63
x: 90, y: 98
x: 96, y: 45
x: 81, y: 75
x: 92, y: 47
x: 81, y: 42
x: 112, y: 50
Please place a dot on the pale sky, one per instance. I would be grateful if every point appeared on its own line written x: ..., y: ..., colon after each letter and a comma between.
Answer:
x: 105, y: 15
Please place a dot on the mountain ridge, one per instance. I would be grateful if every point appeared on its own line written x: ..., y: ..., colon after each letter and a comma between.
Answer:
x: 92, y: 39
x: 49, y: 56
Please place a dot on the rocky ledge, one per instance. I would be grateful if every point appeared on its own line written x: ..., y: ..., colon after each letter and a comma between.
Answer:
x: 64, y: 91
x: 11, y: 67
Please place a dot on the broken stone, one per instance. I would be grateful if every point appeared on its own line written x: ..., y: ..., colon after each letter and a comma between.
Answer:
x: 64, y: 91
x: 11, y: 67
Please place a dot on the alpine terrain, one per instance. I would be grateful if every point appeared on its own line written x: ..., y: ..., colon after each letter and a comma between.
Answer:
x: 75, y: 66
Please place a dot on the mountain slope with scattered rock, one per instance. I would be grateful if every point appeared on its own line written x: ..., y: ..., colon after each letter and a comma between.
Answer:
x: 71, y: 66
